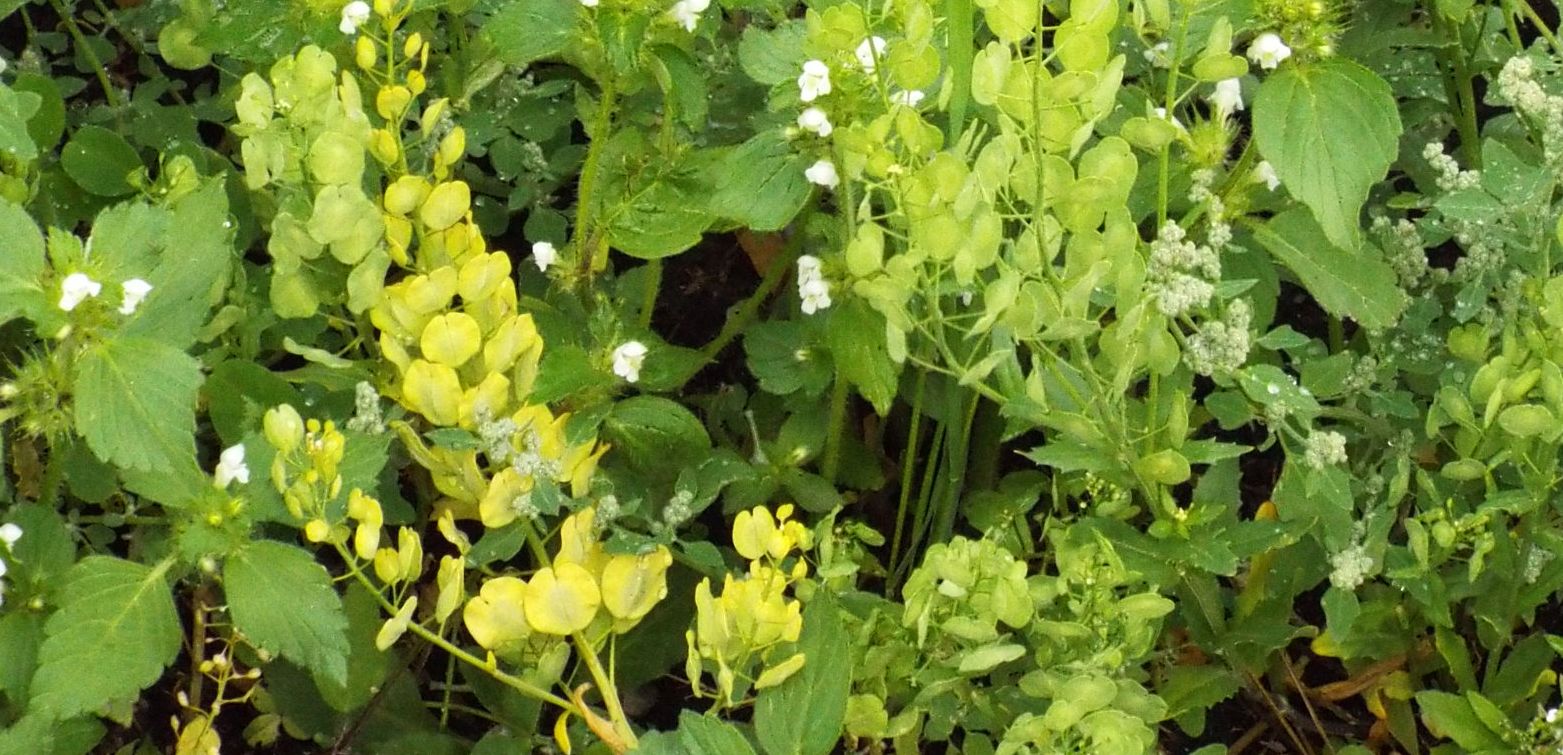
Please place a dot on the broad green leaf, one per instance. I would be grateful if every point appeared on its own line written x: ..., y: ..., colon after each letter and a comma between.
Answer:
x: 773, y: 56
x: 115, y: 631
x: 21, y: 264
x: 783, y: 361
x: 856, y: 334
x: 125, y: 241
x: 21, y: 634
x: 15, y: 110
x: 284, y: 603
x: 761, y: 183
x: 683, y: 84
x: 1358, y: 285
x: 804, y: 714
x: 697, y: 735
x: 657, y: 213
x: 135, y: 402
x: 48, y: 124
x: 527, y: 30
x: 656, y: 436
x: 99, y: 161
x: 1450, y: 715
x: 192, y: 269
x: 1331, y: 130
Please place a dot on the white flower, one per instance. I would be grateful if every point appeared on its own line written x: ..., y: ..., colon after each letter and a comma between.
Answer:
x: 589, y: 3
x: 3, y: 65
x: 354, y: 14
x: 907, y: 97
x: 9, y: 534
x: 808, y: 268
x: 1552, y: 715
x: 544, y: 254
x: 627, y: 360
x: 1324, y: 448
x: 814, y: 82
x: 2, y: 567
x: 1159, y: 54
x: 1268, y: 51
x: 869, y: 51
x: 1350, y: 567
x: 1161, y: 113
x: 1265, y: 172
x: 135, y: 291
x: 230, y: 467
x: 823, y: 173
x: 687, y: 12
x: 815, y: 294
x: 75, y: 288
x: 1228, y: 97
x: 815, y: 120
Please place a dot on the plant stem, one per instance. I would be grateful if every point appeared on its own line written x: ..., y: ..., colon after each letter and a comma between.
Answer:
x: 958, y: 30
x: 1541, y: 25
x: 908, y: 464
x: 53, y: 476
x: 838, y: 416
x: 648, y: 303
x: 1461, y: 95
x: 91, y: 56
x: 587, y: 247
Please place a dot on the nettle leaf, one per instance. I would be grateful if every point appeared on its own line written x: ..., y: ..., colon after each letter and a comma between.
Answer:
x: 657, y: 213
x: 15, y: 110
x: 125, y: 240
x: 1331, y: 130
x: 761, y: 184
x: 804, y: 714
x: 783, y: 361
x: 135, y: 402
x: 192, y: 268
x: 856, y: 334
x: 772, y: 56
x: 100, y: 161
x: 527, y: 30
x: 21, y: 264
x: 283, y: 602
x: 656, y: 436
x: 696, y: 735
x: 1359, y: 285
x: 115, y: 631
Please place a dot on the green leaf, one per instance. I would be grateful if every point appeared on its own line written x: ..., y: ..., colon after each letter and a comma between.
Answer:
x: 135, y: 402
x: 772, y: 56
x: 683, y: 84
x: 100, y: 161
x: 21, y: 264
x: 1451, y: 716
x: 761, y: 183
x: 857, y: 343
x: 697, y: 735
x: 115, y: 631
x: 782, y: 360
x: 192, y: 270
x: 528, y: 30
x: 367, y: 665
x: 1331, y: 130
x: 48, y: 124
x: 1357, y: 285
x: 283, y: 602
x: 15, y: 139
x: 656, y: 436
x: 804, y: 714
x: 658, y: 213
x: 125, y: 241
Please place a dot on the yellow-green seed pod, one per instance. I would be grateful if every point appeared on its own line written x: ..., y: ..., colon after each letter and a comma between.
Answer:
x: 365, y: 53
x: 416, y: 83
x: 452, y: 146
x: 392, y: 101
x: 405, y: 194
x: 383, y: 146
x: 451, y: 339
x: 413, y: 44
x: 284, y: 428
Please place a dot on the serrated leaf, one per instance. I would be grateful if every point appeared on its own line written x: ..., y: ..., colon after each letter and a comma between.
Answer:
x: 283, y: 602
x: 856, y: 334
x: 656, y: 436
x: 14, y: 137
x: 192, y: 270
x: 1450, y: 715
x: 761, y: 184
x: 1331, y: 130
x: 1357, y: 285
x: 528, y: 30
x: 657, y: 213
x: 781, y: 359
x: 21, y: 263
x: 135, y: 402
x: 115, y: 631
x: 804, y: 714
x: 772, y: 56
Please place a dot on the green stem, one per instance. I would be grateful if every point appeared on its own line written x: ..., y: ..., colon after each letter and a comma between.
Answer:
x: 740, y: 318
x: 908, y: 464
x: 588, y: 248
x: 53, y: 476
x: 956, y: 470
x: 91, y: 56
x: 936, y: 449
x: 1461, y: 95
x: 1169, y: 100
x: 958, y: 41
x: 838, y: 417
x: 648, y: 302
x: 1541, y: 25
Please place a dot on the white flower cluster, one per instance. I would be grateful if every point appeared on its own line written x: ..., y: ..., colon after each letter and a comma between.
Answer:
x: 1221, y: 346
x: 678, y: 509
x: 1536, y: 560
x: 1227, y: 98
x: 1450, y: 177
x: 1350, y: 567
x: 1403, y: 249
x: 1324, y: 448
x: 1517, y: 84
x: 367, y: 416
x: 1179, y: 272
x: 495, y: 436
x: 1362, y: 377
x: 813, y: 289
x: 79, y: 287
x: 9, y: 534
x: 1268, y: 50
x: 354, y: 15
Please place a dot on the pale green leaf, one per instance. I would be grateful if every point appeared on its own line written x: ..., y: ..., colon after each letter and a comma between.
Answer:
x: 1331, y: 130
x: 283, y: 602
x: 1357, y: 285
x: 114, y: 632
x: 857, y: 342
x: 192, y: 269
x: 21, y: 264
x: 527, y: 30
x: 135, y: 402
